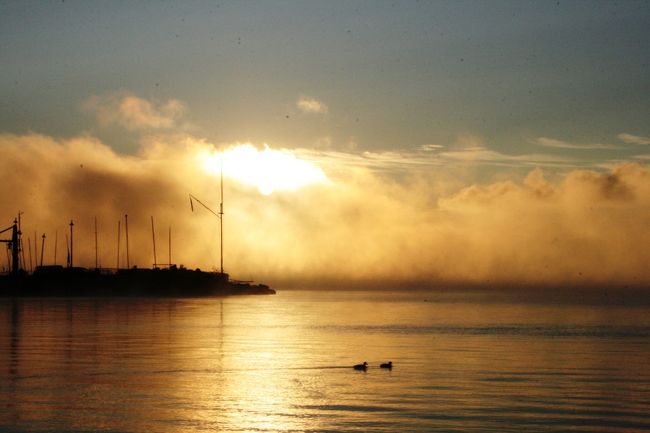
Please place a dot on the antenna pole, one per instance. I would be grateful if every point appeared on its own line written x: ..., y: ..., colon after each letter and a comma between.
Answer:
x: 56, y: 241
x: 153, y: 236
x: 126, y: 226
x: 71, y: 244
x: 42, y: 248
x: 35, y: 251
x: 221, y: 216
x: 118, y: 245
x: 170, y: 246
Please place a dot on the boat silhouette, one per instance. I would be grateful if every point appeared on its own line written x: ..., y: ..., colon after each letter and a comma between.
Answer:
x: 166, y: 280
x: 163, y: 280
x: 59, y: 281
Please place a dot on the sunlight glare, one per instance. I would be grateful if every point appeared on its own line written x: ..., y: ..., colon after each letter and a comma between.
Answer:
x: 268, y: 170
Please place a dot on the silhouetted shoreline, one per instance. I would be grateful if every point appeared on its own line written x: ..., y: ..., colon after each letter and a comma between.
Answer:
x: 57, y: 281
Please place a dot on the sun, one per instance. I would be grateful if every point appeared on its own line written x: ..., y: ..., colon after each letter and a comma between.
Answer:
x: 268, y: 170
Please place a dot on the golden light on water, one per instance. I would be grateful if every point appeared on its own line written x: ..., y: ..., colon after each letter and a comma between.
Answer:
x: 268, y: 170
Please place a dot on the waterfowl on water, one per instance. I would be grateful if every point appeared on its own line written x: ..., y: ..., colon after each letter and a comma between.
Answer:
x: 363, y: 366
x: 387, y: 365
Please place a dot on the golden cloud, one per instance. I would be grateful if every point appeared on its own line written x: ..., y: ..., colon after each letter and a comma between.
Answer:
x: 311, y: 105
x: 587, y: 228
x: 135, y: 113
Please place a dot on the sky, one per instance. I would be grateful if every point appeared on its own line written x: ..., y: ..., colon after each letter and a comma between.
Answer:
x: 397, y: 142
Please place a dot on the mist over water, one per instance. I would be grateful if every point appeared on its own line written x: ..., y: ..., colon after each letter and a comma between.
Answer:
x: 461, y: 188
x: 579, y: 227
x: 463, y: 362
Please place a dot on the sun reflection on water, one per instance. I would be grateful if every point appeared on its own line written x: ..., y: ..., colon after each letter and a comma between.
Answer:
x: 283, y: 363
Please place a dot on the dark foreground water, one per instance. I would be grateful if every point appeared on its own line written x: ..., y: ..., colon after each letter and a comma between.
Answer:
x: 463, y: 362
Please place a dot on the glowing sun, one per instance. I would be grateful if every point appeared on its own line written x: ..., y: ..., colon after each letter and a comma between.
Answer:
x: 268, y: 170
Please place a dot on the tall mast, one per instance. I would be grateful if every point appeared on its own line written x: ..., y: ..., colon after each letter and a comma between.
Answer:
x: 42, y: 248
x: 96, y: 259
x: 153, y: 236
x: 71, y: 244
x: 29, y: 250
x: 118, y: 245
x: 217, y: 214
x: 67, y: 247
x: 21, y: 247
x: 56, y: 241
x: 221, y: 216
x: 126, y: 224
x: 170, y: 246
x: 14, y: 245
x: 15, y: 248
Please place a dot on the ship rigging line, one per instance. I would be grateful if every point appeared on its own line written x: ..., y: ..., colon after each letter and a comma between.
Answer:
x: 202, y: 204
x: 218, y: 215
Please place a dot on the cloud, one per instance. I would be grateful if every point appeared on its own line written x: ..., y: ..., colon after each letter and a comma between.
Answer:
x: 487, y: 156
x: 134, y: 113
x: 402, y: 161
x: 633, y: 139
x: 311, y: 105
x: 552, y: 142
x: 587, y: 228
x: 431, y: 147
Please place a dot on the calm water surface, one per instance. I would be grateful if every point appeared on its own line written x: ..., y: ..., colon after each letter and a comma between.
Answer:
x: 463, y: 362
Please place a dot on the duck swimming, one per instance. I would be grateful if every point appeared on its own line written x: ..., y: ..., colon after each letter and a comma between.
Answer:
x: 362, y: 367
x: 388, y: 365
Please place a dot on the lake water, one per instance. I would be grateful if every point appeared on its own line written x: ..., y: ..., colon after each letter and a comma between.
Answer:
x: 462, y: 362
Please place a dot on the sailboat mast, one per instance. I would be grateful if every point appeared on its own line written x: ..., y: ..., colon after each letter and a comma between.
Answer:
x: 96, y: 248
x: 126, y: 227
x: 118, y: 245
x: 29, y: 249
x: 56, y: 241
x: 153, y: 236
x: 42, y: 248
x: 15, y: 248
x: 221, y: 216
x: 71, y: 243
x: 21, y: 247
